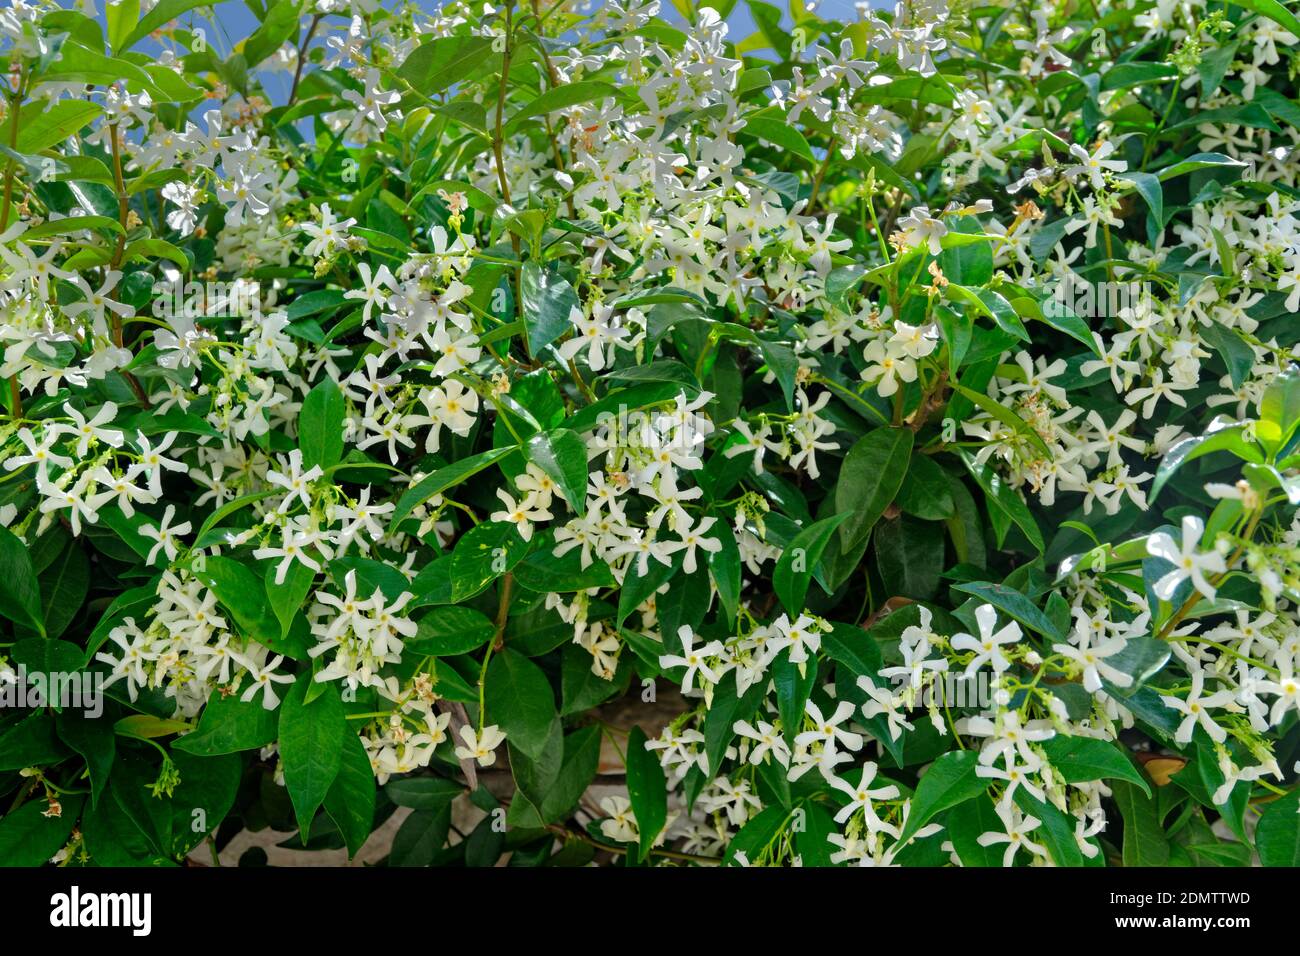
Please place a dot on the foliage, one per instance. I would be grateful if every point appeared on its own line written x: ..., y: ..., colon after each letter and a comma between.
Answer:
x: 915, y: 393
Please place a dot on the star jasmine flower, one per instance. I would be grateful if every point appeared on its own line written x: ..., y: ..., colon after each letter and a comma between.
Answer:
x: 693, y: 659
x: 1188, y: 560
x: 988, y: 646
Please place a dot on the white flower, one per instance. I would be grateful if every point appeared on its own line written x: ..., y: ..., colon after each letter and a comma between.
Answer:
x: 165, y: 534
x: 1095, y: 165
x: 1196, y: 707
x: 480, y: 747
x: 693, y: 659
x: 768, y: 740
x: 521, y: 514
x: 620, y: 826
x: 264, y: 679
x: 1188, y: 560
x: 988, y: 646
x: 861, y: 797
x: 295, y: 482
x: 1093, y: 661
x: 327, y: 235
x: 921, y: 228
x: 1017, y: 825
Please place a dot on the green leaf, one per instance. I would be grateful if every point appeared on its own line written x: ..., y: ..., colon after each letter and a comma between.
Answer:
x: 812, y: 841
x: 799, y: 560
x: 562, y: 97
x: 870, y: 478
x: 793, y: 684
x: 562, y: 455
x: 29, y: 838
x: 950, y: 780
x: 519, y: 699
x: 47, y: 656
x: 1008, y: 417
x: 1237, y: 354
x: 1004, y: 498
x: 1199, y: 161
x: 547, y: 300
x: 971, y: 263
x: 438, y: 63
x: 122, y: 18
x: 1279, y: 410
x: 1123, y: 75
x: 311, y: 747
x: 229, y: 725
x: 95, y: 740
x: 1055, y: 830
x: 370, y: 575
x: 320, y: 426
x: 724, y: 566
x: 208, y: 785
x: 317, y: 302
x: 149, y: 248
x: 158, y: 16
x: 925, y: 492
x: 279, y: 26
x: 287, y: 598
x: 758, y: 832
x: 422, y: 793
x: 31, y: 743
x: 1080, y: 759
x: 776, y: 130
x: 1274, y: 11
x: 420, y: 837
x: 581, y: 688
x: 782, y: 363
x: 81, y: 64
x: 992, y: 304
x: 1225, y: 438
x: 442, y: 479
x: 637, y: 588
x: 20, y: 592
x: 909, y: 555
x: 854, y: 648
x: 721, y: 717
x: 72, y: 224
x: 543, y: 572
x: 840, y: 282
x: 350, y: 800
x: 1013, y: 604
x: 1148, y: 186
x: 534, y: 778
x: 1141, y: 658
x: 646, y: 789
x: 450, y: 630
x: 966, y: 822
x: 484, y: 553
x: 1053, y: 311
x: 42, y: 124
x: 242, y: 594
x: 63, y: 588
x: 1145, y: 843
x: 1277, y: 836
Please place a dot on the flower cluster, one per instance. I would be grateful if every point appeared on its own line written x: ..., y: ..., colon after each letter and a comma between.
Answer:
x: 384, y: 397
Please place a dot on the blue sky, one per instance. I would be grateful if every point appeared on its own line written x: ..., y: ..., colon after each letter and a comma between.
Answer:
x: 235, y: 21
x: 238, y: 21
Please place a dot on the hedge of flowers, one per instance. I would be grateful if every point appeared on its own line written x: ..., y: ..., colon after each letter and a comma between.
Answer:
x: 911, y: 399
